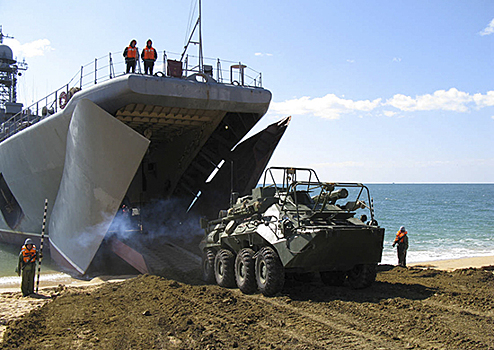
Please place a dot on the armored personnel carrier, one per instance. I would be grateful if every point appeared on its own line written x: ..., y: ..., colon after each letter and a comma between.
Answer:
x: 293, y: 223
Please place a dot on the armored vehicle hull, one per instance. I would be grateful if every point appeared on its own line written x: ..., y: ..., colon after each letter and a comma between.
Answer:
x: 293, y: 226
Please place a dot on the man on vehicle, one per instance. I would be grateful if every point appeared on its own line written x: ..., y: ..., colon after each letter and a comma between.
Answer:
x: 402, y: 241
x: 27, y: 264
x: 130, y: 54
x: 149, y: 55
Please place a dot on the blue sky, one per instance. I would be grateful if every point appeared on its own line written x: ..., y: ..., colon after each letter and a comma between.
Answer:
x: 378, y: 91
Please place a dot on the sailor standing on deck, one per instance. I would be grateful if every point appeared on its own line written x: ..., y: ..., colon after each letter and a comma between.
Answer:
x: 402, y: 241
x: 130, y: 54
x: 149, y: 55
x: 27, y: 264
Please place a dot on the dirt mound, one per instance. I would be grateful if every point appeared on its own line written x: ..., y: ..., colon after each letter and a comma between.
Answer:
x: 404, y: 309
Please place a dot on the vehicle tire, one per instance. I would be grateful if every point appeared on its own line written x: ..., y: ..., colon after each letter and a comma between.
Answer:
x: 224, y: 265
x: 245, y: 271
x: 270, y: 274
x: 208, y: 266
x: 362, y: 276
x: 333, y: 278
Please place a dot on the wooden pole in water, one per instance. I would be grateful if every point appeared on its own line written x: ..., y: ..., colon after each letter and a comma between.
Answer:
x: 40, y: 256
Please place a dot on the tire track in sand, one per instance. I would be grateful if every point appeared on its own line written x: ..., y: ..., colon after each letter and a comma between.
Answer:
x: 339, y: 324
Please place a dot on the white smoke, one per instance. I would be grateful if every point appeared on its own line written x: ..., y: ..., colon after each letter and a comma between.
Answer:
x: 165, y: 218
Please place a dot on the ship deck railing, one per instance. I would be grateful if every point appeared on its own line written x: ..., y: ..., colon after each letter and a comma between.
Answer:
x: 113, y: 65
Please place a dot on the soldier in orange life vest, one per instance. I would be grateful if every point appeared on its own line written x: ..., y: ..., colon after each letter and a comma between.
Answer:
x: 27, y: 264
x: 149, y: 55
x: 130, y: 54
x: 402, y: 241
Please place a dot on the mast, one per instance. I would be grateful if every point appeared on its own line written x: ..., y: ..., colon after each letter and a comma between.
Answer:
x: 198, y: 26
x: 201, y: 63
x: 4, y: 36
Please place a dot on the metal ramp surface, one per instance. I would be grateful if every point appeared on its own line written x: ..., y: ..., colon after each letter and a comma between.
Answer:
x: 152, y: 257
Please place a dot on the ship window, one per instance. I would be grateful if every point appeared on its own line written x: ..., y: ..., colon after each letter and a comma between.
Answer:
x: 10, y: 208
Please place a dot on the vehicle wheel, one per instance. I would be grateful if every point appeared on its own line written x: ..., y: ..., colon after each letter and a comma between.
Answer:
x: 208, y: 266
x: 270, y: 274
x: 224, y: 268
x: 245, y: 271
x: 333, y: 278
x: 362, y: 276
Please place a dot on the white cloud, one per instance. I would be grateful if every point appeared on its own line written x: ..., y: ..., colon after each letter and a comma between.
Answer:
x: 263, y: 54
x: 350, y: 61
x: 486, y: 100
x: 328, y: 107
x: 489, y: 29
x: 396, y: 59
x: 35, y: 48
x: 389, y: 113
x: 333, y: 107
x: 451, y: 100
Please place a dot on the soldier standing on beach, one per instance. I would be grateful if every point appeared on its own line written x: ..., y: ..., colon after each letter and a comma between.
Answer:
x: 27, y: 264
x: 402, y: 241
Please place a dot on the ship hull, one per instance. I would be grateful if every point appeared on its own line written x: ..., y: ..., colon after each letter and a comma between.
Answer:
x: 133, y: 139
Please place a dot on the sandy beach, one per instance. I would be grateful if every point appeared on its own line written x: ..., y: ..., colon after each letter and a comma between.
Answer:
x: 394, y: 286
x: 453, y: 264
x: 13, y: 305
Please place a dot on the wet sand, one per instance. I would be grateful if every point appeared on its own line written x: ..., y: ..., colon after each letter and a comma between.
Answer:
x: 453, y: 264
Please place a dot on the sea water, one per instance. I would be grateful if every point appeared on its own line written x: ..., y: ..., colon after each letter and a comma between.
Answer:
x: 444, y: 221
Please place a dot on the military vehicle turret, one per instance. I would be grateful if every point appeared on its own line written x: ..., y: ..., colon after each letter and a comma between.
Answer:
x: 293, y: 223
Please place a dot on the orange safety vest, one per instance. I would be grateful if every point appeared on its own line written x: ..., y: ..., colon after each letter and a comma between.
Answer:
x: 149, y: 53
x: 28, y: 256
x: 400, y: 236
x: 131, y: 52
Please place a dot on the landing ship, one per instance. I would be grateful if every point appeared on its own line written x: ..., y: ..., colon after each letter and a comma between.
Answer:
x: 113, y: 148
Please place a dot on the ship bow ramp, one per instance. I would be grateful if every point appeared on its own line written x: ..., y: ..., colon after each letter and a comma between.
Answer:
x: 102, y: 157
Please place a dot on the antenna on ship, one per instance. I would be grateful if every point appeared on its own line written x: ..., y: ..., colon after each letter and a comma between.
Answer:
x: 9, y: 71
x: 198, y: 26
x: 4, y: 36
